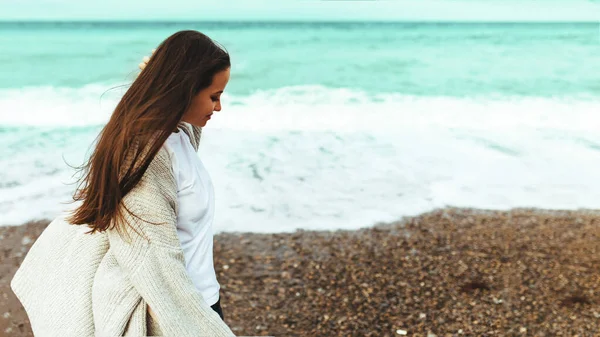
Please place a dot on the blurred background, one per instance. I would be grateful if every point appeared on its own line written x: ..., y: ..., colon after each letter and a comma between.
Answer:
x: 338, y: 114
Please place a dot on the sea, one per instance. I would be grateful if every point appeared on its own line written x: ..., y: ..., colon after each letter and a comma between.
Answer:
x: 325, y: 125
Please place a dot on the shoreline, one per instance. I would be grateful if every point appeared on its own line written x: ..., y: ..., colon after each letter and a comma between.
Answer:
x: 451, y: 271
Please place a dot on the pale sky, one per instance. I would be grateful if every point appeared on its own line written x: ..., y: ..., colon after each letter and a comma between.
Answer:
x: 303, y: 10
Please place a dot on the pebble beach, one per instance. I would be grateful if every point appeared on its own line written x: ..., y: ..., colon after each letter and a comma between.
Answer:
x: 450, y: 272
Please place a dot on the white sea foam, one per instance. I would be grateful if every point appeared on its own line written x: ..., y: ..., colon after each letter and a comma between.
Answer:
x: 320, y: 158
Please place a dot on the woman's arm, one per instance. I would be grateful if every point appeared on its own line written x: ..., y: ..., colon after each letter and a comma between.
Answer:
x: 156, y: 267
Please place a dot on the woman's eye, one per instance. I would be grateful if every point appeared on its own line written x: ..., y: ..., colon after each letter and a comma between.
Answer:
x: 214, y: 99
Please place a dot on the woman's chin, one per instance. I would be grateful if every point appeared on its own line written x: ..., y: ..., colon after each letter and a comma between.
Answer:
x: 199, y: 124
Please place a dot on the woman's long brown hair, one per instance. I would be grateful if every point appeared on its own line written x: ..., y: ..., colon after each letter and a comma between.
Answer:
x: 184, y: 64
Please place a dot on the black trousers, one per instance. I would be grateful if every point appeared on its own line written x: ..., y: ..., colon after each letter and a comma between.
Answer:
x: 217, y: 307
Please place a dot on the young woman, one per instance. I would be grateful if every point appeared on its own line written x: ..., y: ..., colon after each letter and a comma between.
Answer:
x: 136, y: 256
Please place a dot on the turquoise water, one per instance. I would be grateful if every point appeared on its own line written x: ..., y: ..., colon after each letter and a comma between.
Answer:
x: 415, y: 59
x: 325, y: 125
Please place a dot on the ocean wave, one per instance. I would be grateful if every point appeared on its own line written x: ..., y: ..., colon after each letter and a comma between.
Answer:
x: 314, y: 107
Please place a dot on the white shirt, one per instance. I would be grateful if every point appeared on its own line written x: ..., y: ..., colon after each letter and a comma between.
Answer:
x: 196, y: 207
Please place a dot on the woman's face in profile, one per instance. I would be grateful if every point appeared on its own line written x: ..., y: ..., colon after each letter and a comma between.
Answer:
x: 207, y: 100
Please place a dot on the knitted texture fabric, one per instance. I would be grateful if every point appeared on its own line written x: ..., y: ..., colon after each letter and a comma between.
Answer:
x: 76, y: 284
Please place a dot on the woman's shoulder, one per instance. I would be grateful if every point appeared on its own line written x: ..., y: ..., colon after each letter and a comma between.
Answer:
x: 179, y: 154
x: 157, y: 183
x: 173, y: 156
x: 160, y: 170
x: 172, y: 144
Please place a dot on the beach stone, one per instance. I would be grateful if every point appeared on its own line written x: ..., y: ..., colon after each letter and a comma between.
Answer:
x: 476, y: 271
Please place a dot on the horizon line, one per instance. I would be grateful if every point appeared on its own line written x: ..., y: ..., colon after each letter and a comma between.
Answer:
x: 295, y: 21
